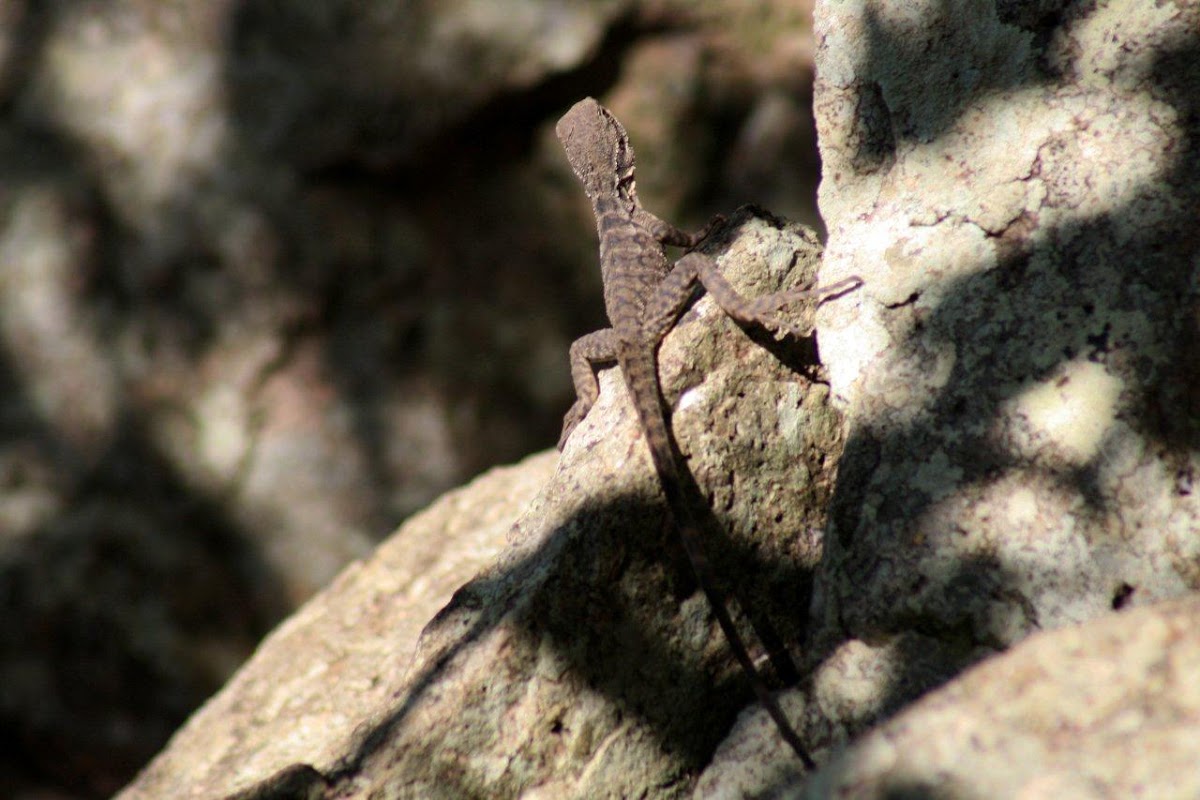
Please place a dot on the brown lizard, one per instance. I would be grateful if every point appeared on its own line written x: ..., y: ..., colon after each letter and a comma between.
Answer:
x: 644, y: 296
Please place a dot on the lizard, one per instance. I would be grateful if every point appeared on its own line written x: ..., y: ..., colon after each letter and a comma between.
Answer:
x: 644, y: 295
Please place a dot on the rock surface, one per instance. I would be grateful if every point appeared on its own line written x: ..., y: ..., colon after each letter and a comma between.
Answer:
x: 1018, y: 375
x: 1019, y: 370
x: 1016, y: 187
x: 255, y: 309
x: 335, y: 667
x: 584, y: 661
x: 1109, y: 708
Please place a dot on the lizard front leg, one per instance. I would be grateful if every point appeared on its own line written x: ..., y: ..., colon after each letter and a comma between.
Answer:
x: 588, y: 352
x: 667, y: 233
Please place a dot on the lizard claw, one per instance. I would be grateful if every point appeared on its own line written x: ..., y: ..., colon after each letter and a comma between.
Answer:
x: 782, y: 327
x: 772, y: 314
x: 717, y: 221
x: 694, y: 240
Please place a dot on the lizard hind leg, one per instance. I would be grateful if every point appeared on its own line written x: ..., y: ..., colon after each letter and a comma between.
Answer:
x: 764, y: 310
x: 822, y: 293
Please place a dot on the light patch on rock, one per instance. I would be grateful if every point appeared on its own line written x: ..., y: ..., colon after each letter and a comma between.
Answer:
x: 1067, y: 414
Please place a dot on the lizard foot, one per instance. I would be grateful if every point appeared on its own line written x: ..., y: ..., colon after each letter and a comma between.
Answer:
x: 699, y: 236
x: 773, y: 318
x: 570, y: 420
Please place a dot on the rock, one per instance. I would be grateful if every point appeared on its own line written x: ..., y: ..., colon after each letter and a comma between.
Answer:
x: 277, y: 276
x: 389, y: 82
x: 581, y: 662
x: 1109, y: 708
x: 339, y: 663
x: 254, y: 318
x: 1019, y: 369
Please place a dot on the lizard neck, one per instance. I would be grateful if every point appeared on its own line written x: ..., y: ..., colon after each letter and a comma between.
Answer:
x: 613, y: 218
x: 612, y: 204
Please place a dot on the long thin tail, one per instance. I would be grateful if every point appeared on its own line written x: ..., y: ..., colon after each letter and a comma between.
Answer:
x: 640, y: 370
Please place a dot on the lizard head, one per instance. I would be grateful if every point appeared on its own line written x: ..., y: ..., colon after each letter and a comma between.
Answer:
x: 598, y: 149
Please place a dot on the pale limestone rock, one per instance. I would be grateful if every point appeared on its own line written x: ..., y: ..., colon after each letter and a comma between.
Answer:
x: 1014, y: 368
x: 1110, y: 708
x: 1017, y: 188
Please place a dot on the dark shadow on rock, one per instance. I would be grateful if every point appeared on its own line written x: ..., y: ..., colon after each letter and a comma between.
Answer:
x: 944, y: 79
x: 411, y: 138
x: 609, y: 589
x: 22, y: 46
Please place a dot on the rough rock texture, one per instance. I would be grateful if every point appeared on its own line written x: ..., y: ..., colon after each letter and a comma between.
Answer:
x: 1017, y: 185
x: 1019, y: 378
x: 582, y: 663
x: 275, y: 275
x: 1020, y: 370
x: 1110, y: 708
x: 335, y: 667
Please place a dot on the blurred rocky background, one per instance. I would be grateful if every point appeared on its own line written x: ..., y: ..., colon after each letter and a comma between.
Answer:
x: 274, y: 275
